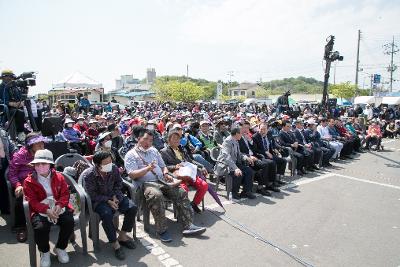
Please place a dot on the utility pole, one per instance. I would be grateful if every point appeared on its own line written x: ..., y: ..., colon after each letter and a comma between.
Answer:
x: 334, y: 74
x: 358, y: 59
x: 372, y: 85
x: 391, y: 49
x: 230, y: 74
x: 187, y: 71
x: 329, y: 57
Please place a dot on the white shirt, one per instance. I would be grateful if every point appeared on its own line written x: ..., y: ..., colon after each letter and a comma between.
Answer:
x: 369, y: 113
x: 323, y: 131
x: 45, y: 182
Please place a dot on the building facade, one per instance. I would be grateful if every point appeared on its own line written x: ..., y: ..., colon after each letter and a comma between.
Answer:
x: 247, y: 90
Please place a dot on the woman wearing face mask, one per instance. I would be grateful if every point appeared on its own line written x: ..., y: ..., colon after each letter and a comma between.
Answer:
x: 74, y: 137
x: 18, y: 170
x: 105, y: 144
x: 103, y: 183
x: 48, y: 196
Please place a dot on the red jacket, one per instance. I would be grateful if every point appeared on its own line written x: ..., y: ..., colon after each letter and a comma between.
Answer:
x: 35, y: 193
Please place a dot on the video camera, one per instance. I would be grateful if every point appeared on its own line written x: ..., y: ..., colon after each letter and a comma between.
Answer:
x: 22, y: 82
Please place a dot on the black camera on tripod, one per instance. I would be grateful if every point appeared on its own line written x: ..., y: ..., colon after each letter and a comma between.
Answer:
x: 23, y: 82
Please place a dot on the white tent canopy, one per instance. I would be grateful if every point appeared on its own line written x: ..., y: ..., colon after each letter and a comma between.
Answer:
x: 391, y: 100
x: 368, y: 100
x: 77, y: 80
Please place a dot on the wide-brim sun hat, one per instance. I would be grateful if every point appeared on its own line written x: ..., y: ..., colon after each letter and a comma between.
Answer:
x: 43, y: 156
x: 103, y: 135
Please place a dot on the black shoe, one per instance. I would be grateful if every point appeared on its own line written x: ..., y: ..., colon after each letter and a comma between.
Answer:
x: 263, y: 192
x: 280, y: 183
x: 196, y: 208
x: 236, y: 196
x: 347, y: 157
x: 128, y: 244
x: 315, y: 167
x: 119, y: 254
x: 328, y: 164
x: 300, y: 172
x: 272, y: 188
x: 248, y: 195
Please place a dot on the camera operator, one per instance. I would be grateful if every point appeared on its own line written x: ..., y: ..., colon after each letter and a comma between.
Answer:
x: 11, y: 96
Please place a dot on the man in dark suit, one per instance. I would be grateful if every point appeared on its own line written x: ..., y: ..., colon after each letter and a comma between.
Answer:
x: 311, y: 155
x: 265, y: 145
x: 265, y: 168
x: 312, y: 136
x: 286, y: 139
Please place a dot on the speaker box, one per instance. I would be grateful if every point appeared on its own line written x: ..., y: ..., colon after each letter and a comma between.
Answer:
x: 52, y: 126
x: 332, y: 102
x: 57, y: 148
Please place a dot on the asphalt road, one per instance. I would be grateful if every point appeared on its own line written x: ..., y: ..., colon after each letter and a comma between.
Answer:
x: 342, y: 216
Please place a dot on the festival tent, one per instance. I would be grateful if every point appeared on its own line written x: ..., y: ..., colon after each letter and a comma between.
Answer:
x: 368, y: 100
x: 77, y: 80
x: 391, y: 100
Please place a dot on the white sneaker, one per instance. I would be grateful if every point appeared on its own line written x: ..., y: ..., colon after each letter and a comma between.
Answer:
x: 62, y: 255
x: 45, y: 259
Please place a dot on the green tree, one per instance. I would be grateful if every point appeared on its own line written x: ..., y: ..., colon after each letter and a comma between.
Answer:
x: 261, y: 93
x: 343, y: 90
x: 175, y: 90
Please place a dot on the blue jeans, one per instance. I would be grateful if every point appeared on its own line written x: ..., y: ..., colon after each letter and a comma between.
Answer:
x: 199, y: 158
x: 126, y: 207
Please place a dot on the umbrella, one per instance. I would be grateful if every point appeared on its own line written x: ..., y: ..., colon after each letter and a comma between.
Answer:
x: 211, y: 191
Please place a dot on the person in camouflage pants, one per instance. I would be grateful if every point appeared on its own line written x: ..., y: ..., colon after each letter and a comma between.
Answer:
x: 145, y: 166
x: 153, y: 193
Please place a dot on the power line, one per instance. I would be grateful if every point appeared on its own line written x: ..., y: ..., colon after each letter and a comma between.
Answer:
x: 391, y: 49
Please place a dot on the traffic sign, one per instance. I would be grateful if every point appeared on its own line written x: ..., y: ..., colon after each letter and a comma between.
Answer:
x: 377, y: 78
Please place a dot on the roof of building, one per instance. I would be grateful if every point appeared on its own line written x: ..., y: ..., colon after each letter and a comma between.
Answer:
x: 245, y: 86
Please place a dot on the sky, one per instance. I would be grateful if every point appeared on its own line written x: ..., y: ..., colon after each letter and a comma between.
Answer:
x: 254, y: 39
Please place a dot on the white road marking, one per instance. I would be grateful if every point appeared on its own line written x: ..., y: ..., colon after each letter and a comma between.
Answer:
x: 310, y: 180
x: 388, y: 141
x: 366, y: 181
x: 151, y: 245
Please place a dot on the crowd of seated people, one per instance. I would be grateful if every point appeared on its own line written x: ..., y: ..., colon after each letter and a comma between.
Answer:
x: 148, y: 145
